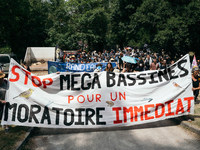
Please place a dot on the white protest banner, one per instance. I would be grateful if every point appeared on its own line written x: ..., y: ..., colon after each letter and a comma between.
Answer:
x: 93, y: 100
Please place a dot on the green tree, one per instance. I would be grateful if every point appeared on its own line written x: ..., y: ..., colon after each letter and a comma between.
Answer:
x: 167, y: 24
x: 75, y: 21
x: 38, y: 23
x: 90, y: 21
x: 149, y: 18
x: 13, y: 23
x: 59, y: 27
x: 23, y: 24
x: 121, y: 11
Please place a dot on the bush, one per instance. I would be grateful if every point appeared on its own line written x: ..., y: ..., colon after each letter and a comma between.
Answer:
x: 5, y: 50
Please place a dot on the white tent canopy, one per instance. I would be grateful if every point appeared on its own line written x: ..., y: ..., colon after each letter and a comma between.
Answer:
x: 37, y: 54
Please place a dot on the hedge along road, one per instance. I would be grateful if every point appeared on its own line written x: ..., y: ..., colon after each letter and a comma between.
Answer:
x: 166, y: 134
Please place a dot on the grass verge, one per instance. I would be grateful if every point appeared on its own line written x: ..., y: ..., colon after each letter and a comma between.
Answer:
x: 195, y: 118
x: 16, y: 134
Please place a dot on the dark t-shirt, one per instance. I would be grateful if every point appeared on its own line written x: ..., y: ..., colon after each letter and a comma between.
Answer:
x: 3, y: 88
x: 28, y: 68
x: 139, y: 69
x: 195, y: 83
x: 163, y: 67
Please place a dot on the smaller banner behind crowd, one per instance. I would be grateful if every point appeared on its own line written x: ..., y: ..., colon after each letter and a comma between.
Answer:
x: 74, y: 67
x: 93, y: 100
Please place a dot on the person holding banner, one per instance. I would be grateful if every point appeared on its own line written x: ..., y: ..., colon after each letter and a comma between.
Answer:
x: 195, y: 82
x: 26, y: 66
x: 3, y: 87
x: 154, y: 65
x: 127, y: 68
x: 109, y: 67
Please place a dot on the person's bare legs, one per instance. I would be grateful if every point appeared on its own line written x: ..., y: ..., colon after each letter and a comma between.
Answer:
x: 6, y: 129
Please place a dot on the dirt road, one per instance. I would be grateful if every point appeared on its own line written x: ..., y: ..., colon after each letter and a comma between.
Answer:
x: 165, y: 135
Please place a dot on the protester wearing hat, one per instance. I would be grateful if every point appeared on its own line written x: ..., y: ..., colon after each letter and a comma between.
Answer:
x: 72, y: 59
x: 195, y: 82
x: 112, y: 60
x: 3, y: 87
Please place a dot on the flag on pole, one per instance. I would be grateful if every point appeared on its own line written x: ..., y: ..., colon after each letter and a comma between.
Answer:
x: 194, y: 62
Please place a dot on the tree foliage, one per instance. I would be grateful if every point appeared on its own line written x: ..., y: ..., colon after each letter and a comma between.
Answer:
x: 168, y: 24
x: 172, y: 25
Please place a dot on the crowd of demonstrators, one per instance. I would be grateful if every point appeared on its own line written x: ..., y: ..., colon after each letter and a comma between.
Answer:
x: 145, y: 59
